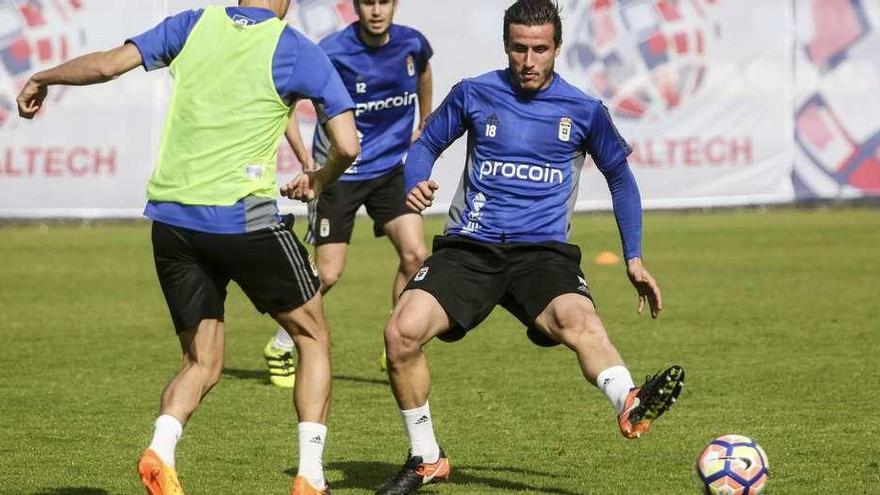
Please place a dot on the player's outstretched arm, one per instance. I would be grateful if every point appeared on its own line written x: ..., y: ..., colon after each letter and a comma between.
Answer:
x: 344, y: 149
x: 93, y: 68
x: 646, y: 286
x: 295, y: 140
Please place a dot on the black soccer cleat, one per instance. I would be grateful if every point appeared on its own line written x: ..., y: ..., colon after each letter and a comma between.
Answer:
x: 415, y: 474
x: 648, y: 402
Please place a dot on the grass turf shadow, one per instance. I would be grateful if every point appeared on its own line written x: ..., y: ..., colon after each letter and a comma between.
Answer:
x: 369, y: 475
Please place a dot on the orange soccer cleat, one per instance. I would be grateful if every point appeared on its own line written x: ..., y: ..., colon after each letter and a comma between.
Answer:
x: 648, y: 402
x: 158, y: 478
x: 301, y: 486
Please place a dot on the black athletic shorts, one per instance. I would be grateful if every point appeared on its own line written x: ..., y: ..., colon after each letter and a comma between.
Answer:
x: 270, y: 265
x: 331, y: 216
x: 469, y: 278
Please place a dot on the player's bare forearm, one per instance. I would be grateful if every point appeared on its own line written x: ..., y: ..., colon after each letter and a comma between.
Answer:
x: 295, y: 140
x: 93, y: 68
x: 425, y: 92
x: 344, y: 147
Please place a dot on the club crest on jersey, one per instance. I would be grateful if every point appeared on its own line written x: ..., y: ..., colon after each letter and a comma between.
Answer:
x: 423, y: 272
x: 565, y: 129
x: 410, y: 65
x: 476, y: 213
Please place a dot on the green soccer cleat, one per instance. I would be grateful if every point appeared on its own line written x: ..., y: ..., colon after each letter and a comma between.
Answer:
x: 282, y: 371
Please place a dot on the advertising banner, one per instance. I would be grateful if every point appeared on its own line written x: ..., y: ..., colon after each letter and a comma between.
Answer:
x: 724, y: 102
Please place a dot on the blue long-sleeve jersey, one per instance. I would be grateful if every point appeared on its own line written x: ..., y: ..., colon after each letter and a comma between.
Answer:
x: 524, y: 159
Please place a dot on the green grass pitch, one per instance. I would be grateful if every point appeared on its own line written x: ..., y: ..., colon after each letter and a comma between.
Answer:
x: 774, y: 314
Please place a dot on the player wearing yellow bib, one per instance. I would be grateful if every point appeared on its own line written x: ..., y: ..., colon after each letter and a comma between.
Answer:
x: 237, y: 72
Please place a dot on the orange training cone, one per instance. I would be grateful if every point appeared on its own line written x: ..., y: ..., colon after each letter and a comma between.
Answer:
x: 607, y: 258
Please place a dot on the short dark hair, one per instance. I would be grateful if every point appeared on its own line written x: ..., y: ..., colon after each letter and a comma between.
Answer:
x: 534, y: 13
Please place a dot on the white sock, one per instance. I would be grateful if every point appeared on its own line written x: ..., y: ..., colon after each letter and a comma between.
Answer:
x: 311, y: 453
x: 165, y: 437
x: 616, y: 383
x: 283, y: 340
x: 420, y: 429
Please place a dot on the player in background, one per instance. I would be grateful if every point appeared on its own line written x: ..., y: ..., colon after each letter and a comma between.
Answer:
x: 386, y: 70
x: 237, y: 73
x: 506, y: 237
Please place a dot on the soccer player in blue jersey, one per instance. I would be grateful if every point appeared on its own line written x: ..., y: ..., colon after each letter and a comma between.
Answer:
x: 237, y: 71
x: 386, y: 70
x: 506, y: 237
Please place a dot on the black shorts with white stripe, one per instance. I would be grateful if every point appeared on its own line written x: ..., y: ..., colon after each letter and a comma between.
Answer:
x: 270, y: 265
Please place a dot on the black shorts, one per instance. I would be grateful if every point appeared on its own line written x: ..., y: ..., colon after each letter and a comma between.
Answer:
x: 331, y: 216
x: 270, y: 265
x: 469, y: 278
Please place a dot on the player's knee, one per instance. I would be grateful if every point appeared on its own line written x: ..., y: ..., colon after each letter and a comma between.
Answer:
x: 400, y: 341
x: 306, y: 325
x: 208, y: 367
x: 214, y: 374
x: 580, y: 327
x: 312, y: 332
x: 329, y: 279
x: 568, y: 320
x: 411, y: 260
x: 312, y: 335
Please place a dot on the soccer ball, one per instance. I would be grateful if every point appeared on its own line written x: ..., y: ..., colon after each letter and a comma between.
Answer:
x: 733, y: 465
